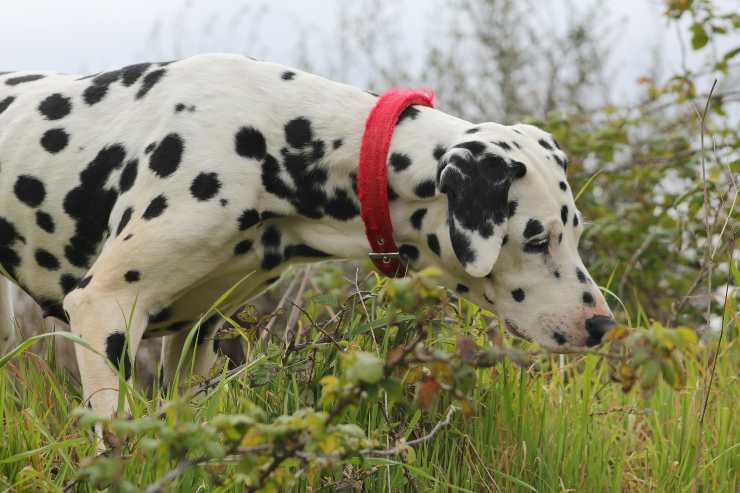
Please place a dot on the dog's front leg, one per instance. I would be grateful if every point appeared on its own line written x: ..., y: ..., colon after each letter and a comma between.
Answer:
x: 112, y: 327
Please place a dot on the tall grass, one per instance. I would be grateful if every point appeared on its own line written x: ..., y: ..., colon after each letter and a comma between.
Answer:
x: 538, y: 428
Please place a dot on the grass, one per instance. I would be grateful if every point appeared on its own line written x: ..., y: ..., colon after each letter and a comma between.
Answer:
x: 539, y: 428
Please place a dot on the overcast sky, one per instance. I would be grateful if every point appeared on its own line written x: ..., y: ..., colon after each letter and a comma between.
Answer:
x: 84, y: 36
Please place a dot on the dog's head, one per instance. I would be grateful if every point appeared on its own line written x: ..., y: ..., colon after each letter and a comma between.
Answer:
x: 514, y: 228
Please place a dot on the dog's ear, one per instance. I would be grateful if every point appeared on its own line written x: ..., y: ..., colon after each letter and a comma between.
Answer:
x: 476, y: 184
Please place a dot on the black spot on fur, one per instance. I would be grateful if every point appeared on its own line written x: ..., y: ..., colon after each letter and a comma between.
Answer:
x: 14, y: 81
x: 433, y: 243
x: 559, y: 337
x: 55, y: 107
x: 575, y: 220
x: 306, y: 189
x: 425, y: 189
x: 156, y: 207
x: 115, y: 349
x: 564, y: 214
x: 303, y: 251
x: 399, y: 161
x: 206, y: 329
x: 409, y: 252
x: 166, y: 158
x: 128, y: 176
x: 563, y: 186
x: 409, y: 113
x: 298, y: 132
x: 5, y: 103
x: 46, y: 259
x: 503, y: 145
x: 545, y: 144
x: 336, y: 144
x: 533, y: 228
x: 250, y: 143
x: 271, y: 237
x: 52, y: 308
x: 265, y: 215
x: 504, y: 240
x: 179, y: 107
x: 556, y: 273
x: 125, y: 218
x: 513, y: 204
x: 561, y: 162
x: 128, y: 237
x: 242, y: 247
x: 518, y: 295
x: 588, y: 299
x: 439, y: 151
x: 84, y: 282
x: 161, y: 316
x: 150, y: 80
x: 54, y: 140
x: 472, y: 130
x: 132, y: 73
x: 461, y: 245
x: 205, y: 186
x: 68, y: 282
x: 271, y: 242
x: 249, y: 218
x: 98, y: 88
x: 89, y: 204
x: 462, y: 288
x: 132, y: 276
x: 417, y: 218
x: 518, y: 170
x: 473, y: 146
x: 29, y: 190
x: 45, y: 221
x: 341, y: 206
x: 581, y: 276
x: 287, y: 75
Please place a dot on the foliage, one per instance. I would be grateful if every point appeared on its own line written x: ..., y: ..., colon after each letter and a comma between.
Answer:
x: 360, y: 398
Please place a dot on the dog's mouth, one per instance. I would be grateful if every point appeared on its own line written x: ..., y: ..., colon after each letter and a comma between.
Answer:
x: 514, y: 330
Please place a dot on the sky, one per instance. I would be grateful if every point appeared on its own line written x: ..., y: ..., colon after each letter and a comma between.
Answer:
x: 85, y: 36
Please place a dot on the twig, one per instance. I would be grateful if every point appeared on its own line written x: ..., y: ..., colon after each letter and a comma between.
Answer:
x: 633, y: 260
x: 483, y: 464
x: 267, y: 330
x: 708, y: 263
x: 185, y: 464
x: 403, y: 444
x: 290, y: 334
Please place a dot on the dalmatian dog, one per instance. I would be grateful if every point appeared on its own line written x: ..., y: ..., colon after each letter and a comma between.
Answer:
x: 130, y: 200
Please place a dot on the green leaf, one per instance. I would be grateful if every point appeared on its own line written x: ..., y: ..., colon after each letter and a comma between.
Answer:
x: 364, y: 367
x: 326, y: 299
x: 699, y: 37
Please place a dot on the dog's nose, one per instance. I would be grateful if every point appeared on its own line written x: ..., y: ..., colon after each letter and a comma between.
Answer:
x: 596, y: 327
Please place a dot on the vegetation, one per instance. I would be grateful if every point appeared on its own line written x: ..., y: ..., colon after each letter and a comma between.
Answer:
x: 380, y: 385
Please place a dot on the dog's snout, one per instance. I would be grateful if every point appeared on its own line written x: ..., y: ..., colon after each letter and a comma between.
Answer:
x: 596, y: 327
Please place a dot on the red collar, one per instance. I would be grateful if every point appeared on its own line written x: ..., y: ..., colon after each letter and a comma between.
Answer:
x: 372, y: 176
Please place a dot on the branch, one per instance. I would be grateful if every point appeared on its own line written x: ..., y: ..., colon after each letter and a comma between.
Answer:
x: 403, y: 444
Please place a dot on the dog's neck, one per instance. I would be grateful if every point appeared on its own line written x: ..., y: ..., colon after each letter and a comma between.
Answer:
x: 420, y: 138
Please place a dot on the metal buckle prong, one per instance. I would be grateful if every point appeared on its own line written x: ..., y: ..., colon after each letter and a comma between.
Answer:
x: 384, y: 257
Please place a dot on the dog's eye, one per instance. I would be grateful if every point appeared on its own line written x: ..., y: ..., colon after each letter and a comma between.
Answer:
x: 537, y: 245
